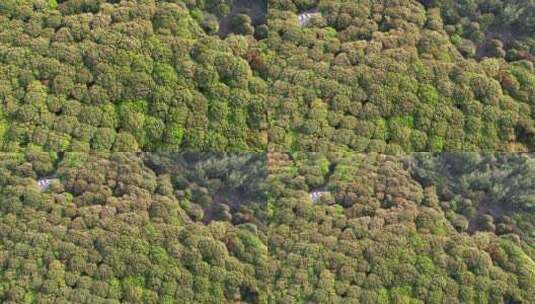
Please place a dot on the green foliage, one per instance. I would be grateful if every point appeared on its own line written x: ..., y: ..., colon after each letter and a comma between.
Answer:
x: 106, y: 80
x: 87, y: 85
x: 164, y: 255
x: 52, y: 4
x: 389, y: 229
x: 391, y: 226
x: 428, y: 94
x: 345, y: 82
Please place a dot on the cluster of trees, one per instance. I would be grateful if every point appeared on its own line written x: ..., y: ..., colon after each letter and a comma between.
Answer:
x: 492, y: 192
x: 509, y: 25
x: 99, y: 95
x: 229, y: 228
x: 387, y: 236
x: 112, y: 230
x: 380, y: 76
x: 388, y: 76
x: 218, y: 186
x: 126, y: 76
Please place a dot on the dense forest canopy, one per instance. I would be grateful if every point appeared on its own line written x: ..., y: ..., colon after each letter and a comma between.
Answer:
x: 267, y: 151
x: 112, y: 230
x: 378, y: 76
x: 241, y: 228
x: 391, y: 76
x: 398, y: 229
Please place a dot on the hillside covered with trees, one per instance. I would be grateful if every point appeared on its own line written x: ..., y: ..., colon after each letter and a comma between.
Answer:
x: 242, y: 228
x: 400, y: 229
x: 378, y: 76
x: 267, y: 151
x: 110, y: 229
x: 390, y: 76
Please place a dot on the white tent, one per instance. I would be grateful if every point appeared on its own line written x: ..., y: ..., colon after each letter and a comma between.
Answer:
x: 305, y: 17
x: 44, y: 183
x: 315, y: 195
